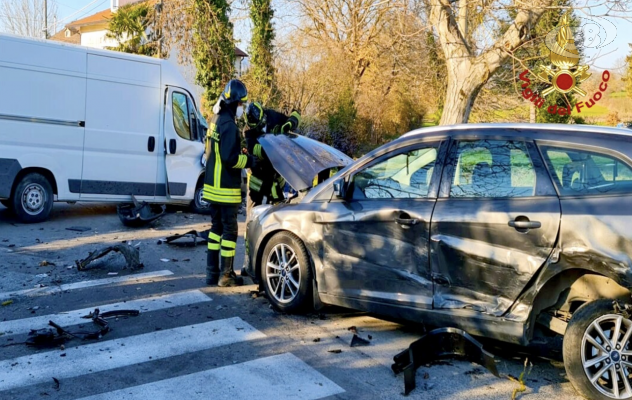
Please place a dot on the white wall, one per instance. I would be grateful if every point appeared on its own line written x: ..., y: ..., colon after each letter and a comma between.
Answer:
x: 97, y: 40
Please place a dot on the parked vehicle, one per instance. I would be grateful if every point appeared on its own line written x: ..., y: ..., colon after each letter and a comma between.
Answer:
x: 488, y: 228
x: 80, y: 124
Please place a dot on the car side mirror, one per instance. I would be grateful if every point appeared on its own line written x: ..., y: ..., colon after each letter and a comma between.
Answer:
x: 340, y: 188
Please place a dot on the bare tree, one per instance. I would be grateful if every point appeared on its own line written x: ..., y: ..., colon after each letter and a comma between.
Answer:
x: 27, y: 17
x: 477, y: 37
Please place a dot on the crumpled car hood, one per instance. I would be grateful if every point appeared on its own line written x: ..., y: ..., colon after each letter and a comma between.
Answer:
x: 299, y: 159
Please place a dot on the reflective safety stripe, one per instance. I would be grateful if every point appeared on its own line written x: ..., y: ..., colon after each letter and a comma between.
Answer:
x: 275, y: 194
x: 255, y: 183
x: 218, y: 167
x: 258, y: 151
x: 227, y: 253
x: 214, y: 237
x: 228, y: 196
x: 222, y: 191
x: 213, y: 246
x: 242, y: 161
x: 229, y: 244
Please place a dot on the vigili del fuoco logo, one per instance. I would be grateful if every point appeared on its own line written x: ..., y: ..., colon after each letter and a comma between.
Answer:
x: 564, y: 75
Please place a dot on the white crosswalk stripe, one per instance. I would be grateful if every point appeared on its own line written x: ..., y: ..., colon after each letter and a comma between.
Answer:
x: 24, y: 325
x: 106, y: 355
x: 136, y: 278
x: 280, y: 377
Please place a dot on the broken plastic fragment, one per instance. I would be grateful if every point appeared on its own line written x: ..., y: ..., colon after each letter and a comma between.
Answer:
x: 131, y: 254
x: 358, y: 341
x: 139, y: 214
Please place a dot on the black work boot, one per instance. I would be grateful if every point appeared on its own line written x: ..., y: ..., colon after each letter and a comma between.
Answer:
x: 229, y: 278
x: 212, y: 267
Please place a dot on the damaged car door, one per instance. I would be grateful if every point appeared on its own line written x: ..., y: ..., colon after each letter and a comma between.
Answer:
x: 495, y: 224
x: 376, y: 250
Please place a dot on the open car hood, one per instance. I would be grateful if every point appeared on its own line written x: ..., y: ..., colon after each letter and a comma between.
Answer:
x: 299, y: 159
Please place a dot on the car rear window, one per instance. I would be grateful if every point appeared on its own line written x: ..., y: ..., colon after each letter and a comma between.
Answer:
x: 582, y: 172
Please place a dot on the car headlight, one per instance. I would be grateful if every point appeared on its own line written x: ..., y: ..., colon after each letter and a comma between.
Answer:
x: 258, y: 210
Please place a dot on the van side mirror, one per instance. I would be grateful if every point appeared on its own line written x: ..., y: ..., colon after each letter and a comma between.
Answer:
x: 340, y: 188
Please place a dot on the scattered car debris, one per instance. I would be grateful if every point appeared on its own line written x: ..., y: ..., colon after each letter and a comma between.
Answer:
x: 370, y: 337
x: 198, y: 238
x: 79, y: 228
x: 139, y: 214
x: 131, y: 254
x: 357, y: 341
x: 335, y: 351
x: 41, y: 275
x: 438, y: 344
x: 54, y: 337
x: 7, y: 303
x: 352, y: 329
x: 112, y: 273
x: 522, y: 386
x: 316, y: 340
x: 165, y: 260
x: 46, y: 264
x: 56, y: 383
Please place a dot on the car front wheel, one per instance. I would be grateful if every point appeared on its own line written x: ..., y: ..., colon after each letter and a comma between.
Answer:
x: 199, y: 205
x: 597, y: 351
x: 286, y: 273
x: 33, y: 198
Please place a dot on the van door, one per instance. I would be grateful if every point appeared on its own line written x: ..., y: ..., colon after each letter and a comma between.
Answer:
x: 123, y: 105
x: 185, y: 132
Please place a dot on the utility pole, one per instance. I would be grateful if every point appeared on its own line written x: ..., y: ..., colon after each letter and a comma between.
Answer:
x: 45, y: 19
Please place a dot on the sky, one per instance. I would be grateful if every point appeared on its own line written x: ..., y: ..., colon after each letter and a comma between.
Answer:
x: 614, y: 35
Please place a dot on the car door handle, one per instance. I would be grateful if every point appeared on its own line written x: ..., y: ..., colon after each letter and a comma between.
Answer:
x: 151, y: 144
x: 525, y: 224
x: 407, y: 221
x: 172, y: 146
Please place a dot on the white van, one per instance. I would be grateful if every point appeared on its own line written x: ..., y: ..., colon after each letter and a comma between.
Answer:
x: 80, y: 124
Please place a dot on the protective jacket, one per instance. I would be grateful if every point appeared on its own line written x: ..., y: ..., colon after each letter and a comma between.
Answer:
x: 222, y: 183
x: 264, y: 180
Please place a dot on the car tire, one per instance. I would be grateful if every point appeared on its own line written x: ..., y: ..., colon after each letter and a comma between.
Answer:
x: 7, y: 203
x: 288, y: 285
x: 198, y: 205
x: 32, y: 199
x: 580, y: 352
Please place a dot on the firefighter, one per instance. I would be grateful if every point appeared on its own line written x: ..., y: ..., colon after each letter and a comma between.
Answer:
x: 222, y: 184
x: 264, y: 181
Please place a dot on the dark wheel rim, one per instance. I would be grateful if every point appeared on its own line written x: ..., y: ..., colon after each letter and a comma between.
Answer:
x: 283, y: 273
x: 607, y: 356
x: 34, y: 199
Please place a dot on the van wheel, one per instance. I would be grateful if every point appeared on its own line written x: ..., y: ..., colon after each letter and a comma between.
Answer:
x: 33, y: 198
x: 597, y: 352
x: 198, y: 205
x: 7, y: 204
x: 286, y: 273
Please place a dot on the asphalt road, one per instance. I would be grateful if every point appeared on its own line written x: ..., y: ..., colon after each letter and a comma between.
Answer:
x: 197, y: 342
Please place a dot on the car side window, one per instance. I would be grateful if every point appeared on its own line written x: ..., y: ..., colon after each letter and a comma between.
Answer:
x: 402, y: 176
x: 581, y: 172
x: 181, y: 115
x: 492, y: 169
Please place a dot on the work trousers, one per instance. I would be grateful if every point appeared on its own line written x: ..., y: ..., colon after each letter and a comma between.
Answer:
x: 223, y: 235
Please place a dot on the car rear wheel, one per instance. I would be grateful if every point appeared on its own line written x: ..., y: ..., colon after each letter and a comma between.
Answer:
x: 33, y: 198
x: 597, y: 352
x: 286, y: 273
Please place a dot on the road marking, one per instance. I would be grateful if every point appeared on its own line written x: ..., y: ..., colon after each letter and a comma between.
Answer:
x: 279, y: 377
x: 111, y: 354
x: 84, y: 284
x: 24, y: 325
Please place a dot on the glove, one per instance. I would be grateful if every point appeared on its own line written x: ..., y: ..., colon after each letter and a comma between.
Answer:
x: 203, y: 160
x: 292, y: 123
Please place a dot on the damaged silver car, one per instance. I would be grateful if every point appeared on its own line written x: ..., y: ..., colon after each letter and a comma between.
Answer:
x: 493, y: 229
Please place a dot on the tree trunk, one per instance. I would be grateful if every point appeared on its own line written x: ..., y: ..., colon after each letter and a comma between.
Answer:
x: 464, y: 84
